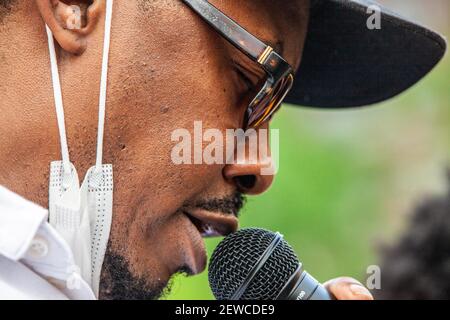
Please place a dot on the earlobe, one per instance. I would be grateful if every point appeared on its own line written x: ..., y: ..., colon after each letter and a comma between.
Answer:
x: 71, y: 24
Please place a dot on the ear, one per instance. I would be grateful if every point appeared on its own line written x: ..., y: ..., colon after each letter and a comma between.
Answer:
x: 71, y: 24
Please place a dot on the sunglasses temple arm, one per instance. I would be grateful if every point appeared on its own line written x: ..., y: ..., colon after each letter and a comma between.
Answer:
x: 233, y: 32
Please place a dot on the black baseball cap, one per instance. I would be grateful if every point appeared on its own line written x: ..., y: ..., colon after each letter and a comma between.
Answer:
x: 346, y: 64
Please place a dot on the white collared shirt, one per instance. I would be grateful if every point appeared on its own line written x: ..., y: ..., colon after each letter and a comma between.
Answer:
x: 35, y: 261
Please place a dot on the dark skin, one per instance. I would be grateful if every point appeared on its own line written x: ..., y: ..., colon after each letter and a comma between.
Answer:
x: 167, y: 70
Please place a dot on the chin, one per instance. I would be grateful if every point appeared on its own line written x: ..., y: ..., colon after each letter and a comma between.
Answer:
x: 119, y: 283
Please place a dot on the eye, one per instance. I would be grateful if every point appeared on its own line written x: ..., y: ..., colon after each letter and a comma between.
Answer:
x: 250, y: 80
x: 248, y: 83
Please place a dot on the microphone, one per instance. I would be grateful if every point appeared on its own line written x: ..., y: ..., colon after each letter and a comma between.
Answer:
x: 257, y: 264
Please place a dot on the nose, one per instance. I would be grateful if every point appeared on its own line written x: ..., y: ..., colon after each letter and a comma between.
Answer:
x: 253, y: 177
x: 248, y: 178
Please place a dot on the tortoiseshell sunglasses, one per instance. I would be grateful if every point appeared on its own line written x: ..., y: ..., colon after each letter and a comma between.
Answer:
x: 280, y: 75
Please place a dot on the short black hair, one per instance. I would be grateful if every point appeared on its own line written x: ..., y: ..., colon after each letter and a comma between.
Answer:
x: 417, y: 267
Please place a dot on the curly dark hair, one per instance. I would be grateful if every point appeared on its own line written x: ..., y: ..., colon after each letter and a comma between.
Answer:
x: 417, y: 267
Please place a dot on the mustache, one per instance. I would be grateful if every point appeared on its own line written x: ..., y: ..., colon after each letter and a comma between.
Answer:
x: 228, y: 205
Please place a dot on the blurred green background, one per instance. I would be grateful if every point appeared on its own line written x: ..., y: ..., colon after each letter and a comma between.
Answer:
x: 348, y: 179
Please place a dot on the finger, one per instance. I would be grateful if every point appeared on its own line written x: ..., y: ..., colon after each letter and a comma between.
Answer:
x: 345, y: 288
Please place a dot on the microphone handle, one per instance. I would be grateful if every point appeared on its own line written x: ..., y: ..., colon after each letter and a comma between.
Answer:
x: 309, y: 288
x: 321, y: 293
x: 303, y: 286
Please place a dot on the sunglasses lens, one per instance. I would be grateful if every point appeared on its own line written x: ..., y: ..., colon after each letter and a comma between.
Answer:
x: 268, y: 102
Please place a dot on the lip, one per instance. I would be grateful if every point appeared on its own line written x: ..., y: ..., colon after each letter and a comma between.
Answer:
x: 207, y: 224
x: 212, y: 224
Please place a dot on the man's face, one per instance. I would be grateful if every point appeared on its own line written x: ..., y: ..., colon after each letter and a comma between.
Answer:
x: 169, y: 69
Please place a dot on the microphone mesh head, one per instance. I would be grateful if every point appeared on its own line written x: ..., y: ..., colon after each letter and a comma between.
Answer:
x: 236, y: 256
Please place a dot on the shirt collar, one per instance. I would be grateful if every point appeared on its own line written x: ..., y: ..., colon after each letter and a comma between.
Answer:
x: 19, y: 221
x: 26, y: 235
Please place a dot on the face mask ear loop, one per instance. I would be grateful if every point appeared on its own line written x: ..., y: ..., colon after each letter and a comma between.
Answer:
x: 67, y: 174
x: 103, y: 85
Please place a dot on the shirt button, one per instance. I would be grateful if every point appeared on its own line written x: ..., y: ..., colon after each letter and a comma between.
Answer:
x: 38, y: 247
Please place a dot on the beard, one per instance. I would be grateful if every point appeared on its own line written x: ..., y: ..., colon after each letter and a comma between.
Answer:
x: 119, y: 283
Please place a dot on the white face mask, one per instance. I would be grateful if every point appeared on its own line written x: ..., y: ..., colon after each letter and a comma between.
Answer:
x: 82, y: 215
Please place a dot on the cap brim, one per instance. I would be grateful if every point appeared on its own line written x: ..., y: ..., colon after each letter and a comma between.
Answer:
x: 345, y: 64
